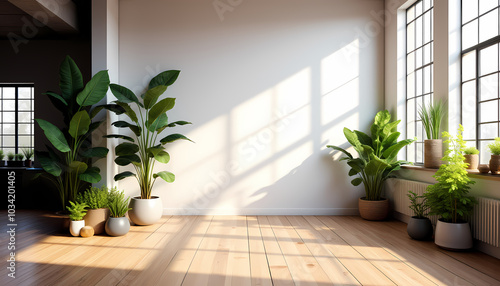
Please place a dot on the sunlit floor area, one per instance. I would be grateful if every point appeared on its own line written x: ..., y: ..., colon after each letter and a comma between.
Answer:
x: 240, y: 250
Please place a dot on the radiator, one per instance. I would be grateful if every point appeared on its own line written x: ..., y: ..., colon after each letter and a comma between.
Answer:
x: 485, y: 221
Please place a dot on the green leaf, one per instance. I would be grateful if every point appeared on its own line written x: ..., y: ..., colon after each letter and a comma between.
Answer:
x: 115, y: 108
x: 357, y: 182
x: 99, y: 152
x: 119, y: 137
x: 160, y: 123
x: 91, y: 175
x: 95, y: 111
x: 375, y: 166
x: 123, y: 124
x: 127, y: 159
x: 71, y: 79
x: 165, y: 78
x: 94, y: 90
x: 174, y: 137
x: 162, y: 157
x: 48, y: 164
x: 160, y: 108
x: 123, y: 94
x: 153, y: 151
x: 79, y: 124
x: 167, y: 176
x: 123, y: 175
x: 126, y: 149
x: 341, y: 150
x: 55, y: 95
x: 128, y: 111
x: 382, y: 118
x: 352, y: 137
x: 152, y: 95
x: 94, y: 125
x: 78, y: 167
x: 363, y: 138
x: 353, y: 172
x: 392, y: 151
x: 55, y: 136
x: 173, y: 124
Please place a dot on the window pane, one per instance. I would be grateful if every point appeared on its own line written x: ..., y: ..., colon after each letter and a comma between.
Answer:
x: 9, y: 105
x: 410, y: 37
x: 488, y: 26
x: 485, y: 153
x: 427, y: 4
x: 418, y: 83
x: 488, y: 87
x: 410, y: 15
x: 488, y: 131
x: 25, y: 92
x: 410, y: 86
x: 418, y: 32
x: 410, y: 63
x: 469, y: 66
x: 24, y: 129
x: 427, y: 27
x: 488, y: 111
x: 9, y: 141
x: 411, y: 116
x: 420, y: 151
x: 469, y: 109
x: 24, y: 117
x: 418, y: 8
x: 469, y: 35
x: 419, y: 58
x: 486, y: 5
x: 427, y: 79
x: 24, y: 105
x: 427, y: 54
x: 469, y: 10
x: 9, y: 117
x: 25, y: 141
x: 9, y: 93
x: 9, y: 129
x: 488, y: 58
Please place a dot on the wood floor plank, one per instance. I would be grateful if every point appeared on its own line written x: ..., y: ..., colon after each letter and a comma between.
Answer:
x: 259, y: 267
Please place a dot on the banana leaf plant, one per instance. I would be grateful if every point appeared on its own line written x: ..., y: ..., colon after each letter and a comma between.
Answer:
x: 377, y: 155
x: 143, y: 151
x: 67, y: 162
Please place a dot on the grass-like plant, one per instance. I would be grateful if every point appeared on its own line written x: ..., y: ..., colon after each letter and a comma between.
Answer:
x: 448, y: 198
x: 143, y: 151
x: 418, y: 204
x: 495, y: 146
x: 19, y: 157
x: 471, y: 151
x: 94, y: 197
x: 11, y: 156
x: 118, y: 207
x: 432, y: 117
x: 76, y: 211
x: 2, y: 155
x: 28, y: 153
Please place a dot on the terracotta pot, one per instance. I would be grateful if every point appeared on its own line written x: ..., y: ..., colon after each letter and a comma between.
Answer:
x: 96, y: 218
x: 420, y: 228
x: 117, y: 226
x: 144, y: 211
x: 495, y: 164
x: 28, y: 163
x: 472, y: 160
x: 373, y: 210
x: 433, y: 152
x: 484, y: 168
x: 453, y: 236
x: 75, y: 226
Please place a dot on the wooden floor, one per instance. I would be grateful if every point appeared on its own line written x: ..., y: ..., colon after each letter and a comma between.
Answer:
x: 239, y: 250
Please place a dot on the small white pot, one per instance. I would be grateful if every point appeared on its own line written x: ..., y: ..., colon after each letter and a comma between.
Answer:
x: 75, y: 226
x: 144, y: 211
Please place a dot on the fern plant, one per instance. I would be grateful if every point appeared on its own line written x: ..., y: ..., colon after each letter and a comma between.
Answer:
x: 471, y: 151
x: 495, y: 146
x: 76, y: 211
x: 418, y: 204
x: 448, y: 198
x: 118, y: 207
x: 94, y: 198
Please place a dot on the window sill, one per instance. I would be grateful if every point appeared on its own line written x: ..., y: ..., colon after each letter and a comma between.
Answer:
x: 472, y: 173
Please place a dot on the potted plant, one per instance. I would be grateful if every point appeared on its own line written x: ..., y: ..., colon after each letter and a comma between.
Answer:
x: 449, y: 199
x: 15, y: 160
x: 28, y: 155
x: 495, y: 156
x: 118, y: 224
x: 145, y: 150
x: 431, y: 118
x: 76, y: 214
x: 67, y: 164
x: 471, y: 155
x: 97, y: 201
x: 420, y: 226
x: 377, y: 160
x: 2, y: 162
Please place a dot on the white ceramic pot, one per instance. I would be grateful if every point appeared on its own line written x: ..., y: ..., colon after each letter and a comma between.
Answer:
x: 144, y: 211
x: 456, y: 236
x: 117, y: 226
x: 75, y: 226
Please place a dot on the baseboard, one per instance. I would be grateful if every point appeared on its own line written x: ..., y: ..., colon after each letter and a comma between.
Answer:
x: 262, y: 211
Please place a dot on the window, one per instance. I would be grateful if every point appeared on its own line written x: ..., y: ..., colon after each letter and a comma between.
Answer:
x: 16, y: 114
x: 480, y: 74
x: 419, y: 69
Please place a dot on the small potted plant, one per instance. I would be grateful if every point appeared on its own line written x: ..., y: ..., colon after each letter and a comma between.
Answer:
x: 28, y: 155
x: 431, y: 117
x: 19, y: 160
x: 76, y: 213
x: 495, y: 156
x: 471, y: 155
x: 449, y: 198
x: 97, y: 201
x: 419, y: 226
x: 2, y: 162
x: 118, y: 224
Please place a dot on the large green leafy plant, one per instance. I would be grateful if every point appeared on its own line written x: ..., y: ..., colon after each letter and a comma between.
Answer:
x: 143, y: 151
x: 448, y: 197
x: 377, y: 155
x: 68, y: 161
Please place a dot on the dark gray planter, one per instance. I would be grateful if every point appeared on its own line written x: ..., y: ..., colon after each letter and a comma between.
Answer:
x: 420, y: 228
x: 117, y: 226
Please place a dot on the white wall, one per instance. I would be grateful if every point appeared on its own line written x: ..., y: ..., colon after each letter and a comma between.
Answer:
x: 267, y: 84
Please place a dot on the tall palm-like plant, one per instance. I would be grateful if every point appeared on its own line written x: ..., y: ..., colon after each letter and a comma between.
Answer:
x: 145, y: 150
x: 67, y: 162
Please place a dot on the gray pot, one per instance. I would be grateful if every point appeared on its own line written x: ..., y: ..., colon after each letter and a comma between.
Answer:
x: 453, y: 236
x: 117, y: 226
x: 420, y: 228
x: 145, y: 211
